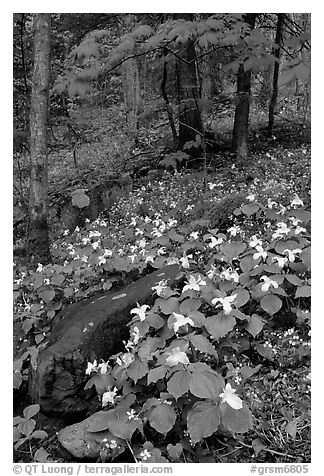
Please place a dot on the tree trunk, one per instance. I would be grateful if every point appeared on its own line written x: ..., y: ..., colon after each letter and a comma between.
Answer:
x: 38, y: 239
x: 132, y: 95
x: 190, y: 122
x: 241, y: 121
x: 276, y: 53
x: 167, y: 104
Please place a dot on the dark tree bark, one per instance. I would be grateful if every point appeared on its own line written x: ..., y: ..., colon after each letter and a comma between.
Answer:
x: 132, y: 95
x: 38, y: 239
x: 276, y: 53
x: 167, y: 104
x: 241, y: 121
x: 190, y: 122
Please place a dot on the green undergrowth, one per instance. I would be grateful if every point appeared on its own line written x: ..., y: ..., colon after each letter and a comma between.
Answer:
x: 210, y: 369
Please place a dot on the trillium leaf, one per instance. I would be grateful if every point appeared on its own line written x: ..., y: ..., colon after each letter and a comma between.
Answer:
x: 306, y: 257
x: 57, y: 280
x: 179, y: 383
x: 293, y: 279
x: 250, y: 209
x: 236, y: 421
x: 80, y: 200
x: 255, y: 325
x: 31, y: 411
x: 271, y: 304
x: 286, y: 245
x: 189, y: 305
x: 162, y: 418
x: 156, y: 374
x: 202, y: 344
x: 266, y: 352
x: 233, y: 249
x: 219, y: 326
x: 243, y: 296
x: 168, y: 306
x: 40, y: 434
x: 47, y: 295
x: 303, y: 291
x: 27, y: 427
x: 203, y: 420
x: 258, y: 446
x: 247, y: 371
x: 174, y: 451
x: 247, y: 263
x: 137, y: 370
x: 41, y: 455
x: 206, y: 384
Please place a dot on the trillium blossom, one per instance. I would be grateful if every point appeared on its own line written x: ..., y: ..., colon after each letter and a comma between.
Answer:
x: 176, y: 356
x: 172, y: 222
x: 85, y: 241
x: 234, y: 230
x: 161, y: 251
x: 282, y: 229
x: 46, y: 281
x: 194, y: 284
x: 103, y: 367
x: 39, y: 268
x: 229, y: 275
x: 194, y: 235
x: 228, y: 396
x: 260, y: 253
x: 271, y: 203
x: 214, y: 242
x: 211, y: 185
x: 225, y: 302
x: 251, y: 197
x: 107, y: 253
x: 84, y: 258
x: 255, y: 242
x: 142, y: 243
x: 91, y: 367
x: 125, y: 359
x: 185, y: 261
x: 299, y: 229
x: 136, y: 335
x: 66, y: 232
x: 101, y: 260
x: 282, y: 210
x: 95, y: 245
x: 268, y: 283
x: 140, y: 311
x: 297, y: 202
x: 181, y: 321
x: 133, y: 222
x: 294, y: 220
x: 149, y: 258
x: 160, y: 287
x: 281, y: 260
x: 292, y: 254
x: 156, y: 232
x: 109, y: 397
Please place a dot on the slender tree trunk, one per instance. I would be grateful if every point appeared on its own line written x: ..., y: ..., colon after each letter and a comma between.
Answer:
x: 132, y: 95
x: 276, y: 53
x: 167, y: 104
x: 190, y: 122
x: 38, y: 239
x: 241, y: 121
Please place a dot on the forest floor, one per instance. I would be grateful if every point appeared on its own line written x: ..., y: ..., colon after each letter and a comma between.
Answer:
x: 279, y: 393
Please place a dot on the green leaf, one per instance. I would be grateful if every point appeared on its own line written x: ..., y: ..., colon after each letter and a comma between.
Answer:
x: 57, y: 280
x: 206, y: 384
x: 68, y: 292
x: 179, y: 383
x: 169, y: 306
x: 243, y: 296
x: 39, y: 434
x: 306, y: 257
x: 47, y: 295
x: 247, y: 371
x: 175, y: 451
x: 162, y: 418
x: 303, y: 291
x: 220, y: 326
x: 250, y: 209
x: 17, y: 379
x: 203, y: 420
x: 27, y: 427
x: 255, y: 325
x: 156, y: 374
x: 41, y: 455
x: 234, y: 249
x: 137, y: 369
x: 31, y: 411
x: 189, y: 305
x: 271, y: 304
x: 293, y: 279
x: 258, y: 446
x: 16, y: 434
x: 247, y: 263
x: 283, y: 245
x: 291, y: 428
x: 236, y: 421
x: 80, y: 199
x: 266, y: 352
x: 202, y: 344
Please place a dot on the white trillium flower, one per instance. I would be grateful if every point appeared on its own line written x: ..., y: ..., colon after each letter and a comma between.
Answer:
x: 160, y: 287
x: 140, y: 311
x: 292, y: 254
x: 101, y: 260
x: 161, y: 251
x: 145, y: 454
x: 271, y: 203
x: 297, y: 202
x: 181, y: 321
x: 251, y: 197
x: 228, y: 396
x: 103, y: 367
x: 194, y: 283
x: 185, y: 261
x: 212, y: 272
x: 229, y: 275
x: 234, y: 230
x: 109, y: 397
x: 281, y: 260
x: 255, y: 242
x: 260, y: 253
x: 225, y: 302
x: 176, y: 356
x: 268, y: 283
x: 214, y: 242
x: 194, y: 235
x: 133, y: 222
x: 300, y: 229
x: 125, y: 359
x: 39, y: 268
x: 95, y: 245
x: 211, y: 185
x: 91, y: 367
